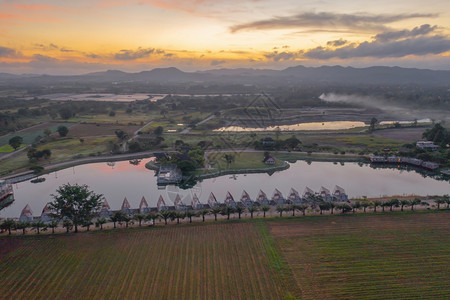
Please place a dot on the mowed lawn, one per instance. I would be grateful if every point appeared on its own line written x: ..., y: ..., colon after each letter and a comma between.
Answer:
x: 392, y: 256
x: 216, y: 261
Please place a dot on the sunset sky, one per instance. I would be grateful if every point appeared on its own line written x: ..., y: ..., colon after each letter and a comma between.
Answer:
x: 80, y: 36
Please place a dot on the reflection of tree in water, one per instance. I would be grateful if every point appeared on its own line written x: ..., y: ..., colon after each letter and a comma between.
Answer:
x: 111, y: 164
x: 135, y: 162
x: 402, y: 168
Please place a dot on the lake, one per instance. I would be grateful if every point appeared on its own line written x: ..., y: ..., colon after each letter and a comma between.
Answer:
x: 122, y: 179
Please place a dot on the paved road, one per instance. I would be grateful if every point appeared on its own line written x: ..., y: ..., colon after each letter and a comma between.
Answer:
x: 188, y: 129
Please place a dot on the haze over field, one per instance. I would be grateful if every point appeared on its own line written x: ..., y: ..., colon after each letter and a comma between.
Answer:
x: 75, y: 37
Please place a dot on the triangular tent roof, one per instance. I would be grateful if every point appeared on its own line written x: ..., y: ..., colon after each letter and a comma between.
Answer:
x: 161, y: 202
x: 46, y: 210
x: 293, y: 194
x: 308, y: 191
x: 212, y: 200
x: 228, y: 198
x: 245, y: 196
x: 125, y: 204
x: 324, y: 190
x: 338, y: 189
x: 261, y: 196
x: 178, y: 200
x: 105, y: 205
x: 195, y: 201
x: 277, y: 194
x: 26, y: 211
x: 143, y: 203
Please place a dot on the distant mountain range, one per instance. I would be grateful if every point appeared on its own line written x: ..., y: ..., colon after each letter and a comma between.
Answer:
x: 292, y: 75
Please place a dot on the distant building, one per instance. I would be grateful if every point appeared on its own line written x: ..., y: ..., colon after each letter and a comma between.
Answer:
x: 262, y: 198
x: 161, y: 205
x: 143, y: 206
x: 325, y: 194
x: 46, y: 215
x: 427, y: 145
x: 196, y: 204
x: 245, y: 199
x: 269, y: 160
x: 268, y: 141
x: 105, y: 210
x: 212, y: 201
x: 339, y: 194
x: 26, y: 215
x: 126, y: 207
x: 229, y: 200
x: 277, y: 197
x: 179, y: 204
x: 294, y: 197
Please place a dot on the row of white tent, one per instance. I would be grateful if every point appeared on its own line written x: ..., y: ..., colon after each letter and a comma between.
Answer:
x: 261, y: 199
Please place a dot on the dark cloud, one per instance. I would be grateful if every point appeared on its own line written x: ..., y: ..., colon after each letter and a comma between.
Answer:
x: 66, y: 50
x: 43, y: 58
x: 422, y: 45
x: 136, y: 54
x: 337, y: 43
x: 395, y: 35
x: 278, y: 56
x: 355, y: 21
x: 216, y: 62
x: 8, y: 52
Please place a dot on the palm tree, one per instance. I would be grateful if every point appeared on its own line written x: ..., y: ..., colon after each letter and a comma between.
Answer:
x: 215, y: 211
x: 439, y: 202
x: 100, y: 222
x: 37, y: 226
x: 324, y: 206
x: 365, y: 205
x: 22, y: 226
x: 355, y: 206
x: 344, y: 208
x: 8, y: 224
x: 190, y: 214
x: 404, y: 203
x: 265, y: 208
x: 203, y: 213
x: 416, y: 201
x: 139, y: 218
x: 153, y: 217
x: 292, y: 207
x: 117, y: 217
x: 280, y: 209
x: 447, y: 200
x: 302, y: 208
x: 392, y: 203
x: 87, y: 224
x: 127, y: 219
x: 375, y: 204
x: 332, y: 206
x: 227, y: 211
x: 67, y: 224
x: 383, y: 205
x: 239, y: 209
x: 53, y: 224
x: 165, y: 214
x: 251, y: 210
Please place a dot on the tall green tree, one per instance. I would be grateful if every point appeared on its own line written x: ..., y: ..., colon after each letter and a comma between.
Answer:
x: 280, y: 210
x: 22, y: 226
x: 165, y: 214
x: 62, y: 131
x: 15, y: 142
x: 75, y: 203
x: 100, y: 222
x: 139, y: 218
x: 203, y: 213
x: 265, y: 209
x: 8, y: 224
x: 239, y: 209
x: 215, y: 211
x: 252, y: 209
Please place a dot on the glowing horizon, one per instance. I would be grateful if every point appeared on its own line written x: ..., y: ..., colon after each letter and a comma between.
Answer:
x: 52, y: 37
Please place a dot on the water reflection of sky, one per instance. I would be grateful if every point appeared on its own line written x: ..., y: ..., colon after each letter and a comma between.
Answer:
x: 122, y: 179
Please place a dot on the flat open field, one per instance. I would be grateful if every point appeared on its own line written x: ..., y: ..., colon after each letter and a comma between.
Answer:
x: 217, y: 261
x: 394, y: 256
x: 362, y: 256
x: 404, y: 134
x: 82, y: 130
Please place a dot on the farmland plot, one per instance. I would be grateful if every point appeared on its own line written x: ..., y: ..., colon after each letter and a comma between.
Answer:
x: 394, y: 256
x: 216, y: 261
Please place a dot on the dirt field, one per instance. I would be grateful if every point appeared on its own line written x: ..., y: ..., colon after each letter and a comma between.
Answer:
x: 216, y: 261
x: 395, y: 256
x: 405, y: 134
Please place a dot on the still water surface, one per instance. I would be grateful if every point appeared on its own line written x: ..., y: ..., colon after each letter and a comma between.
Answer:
x: 123, y: 179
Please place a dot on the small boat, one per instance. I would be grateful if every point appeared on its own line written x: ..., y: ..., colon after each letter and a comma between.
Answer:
x: 37, y: 180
